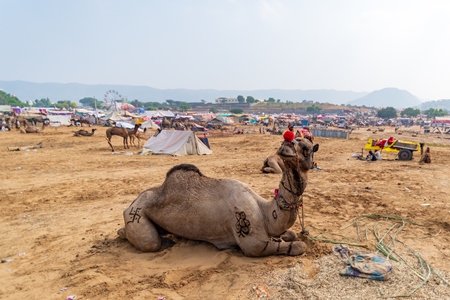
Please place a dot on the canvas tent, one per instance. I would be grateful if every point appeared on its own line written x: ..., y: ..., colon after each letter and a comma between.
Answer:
x: 115, y: 117
x: 175, y: 142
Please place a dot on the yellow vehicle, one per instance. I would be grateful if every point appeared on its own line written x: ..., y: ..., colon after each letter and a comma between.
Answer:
x: 404, y: 149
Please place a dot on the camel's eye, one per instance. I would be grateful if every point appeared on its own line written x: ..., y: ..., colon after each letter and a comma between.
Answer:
x: 306, y: 152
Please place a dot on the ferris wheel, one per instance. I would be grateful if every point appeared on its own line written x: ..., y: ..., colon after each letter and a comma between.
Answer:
x: 113, y: 99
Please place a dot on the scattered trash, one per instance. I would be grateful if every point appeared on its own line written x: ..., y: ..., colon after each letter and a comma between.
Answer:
x: 71, y: 297
x: 162, y: 298
x: 63, y: 289
x: 368, y: 188
x: 19, y: 168
x: 408, y: 190
x: 261, y: 291
x: 7, y: 260
x: 21, y: 254
x: 426, y: 204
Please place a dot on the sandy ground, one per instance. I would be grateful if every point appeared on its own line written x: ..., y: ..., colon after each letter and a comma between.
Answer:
x: 61, y: 206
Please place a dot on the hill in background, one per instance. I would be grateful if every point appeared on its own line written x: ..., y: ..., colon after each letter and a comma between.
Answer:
x: 26, y: 91
x: 394, y: 97
x: 388, y: 97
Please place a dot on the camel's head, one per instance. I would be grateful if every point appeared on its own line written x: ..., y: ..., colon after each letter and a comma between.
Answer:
x: 300, y: 152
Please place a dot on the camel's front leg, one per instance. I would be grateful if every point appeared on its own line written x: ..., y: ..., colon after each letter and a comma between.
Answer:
x: 252, y: 246
x: 139, y: 230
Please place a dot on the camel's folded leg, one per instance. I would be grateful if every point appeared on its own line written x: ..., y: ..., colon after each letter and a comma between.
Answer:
x: 288, y: 236
x: 139, y: 230
x: 253, y: 247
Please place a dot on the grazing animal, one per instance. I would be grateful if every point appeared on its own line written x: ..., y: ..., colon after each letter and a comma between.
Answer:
x: 84, y: 132
x: 224, y: 212
x: 139, y: 136
x: 123, y: 132
x: 120, y: 131
x: 132, y: 134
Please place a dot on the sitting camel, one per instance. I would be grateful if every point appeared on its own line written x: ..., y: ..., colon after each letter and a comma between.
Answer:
x: 33, y: 129
x: 223, y: 212
x: 426, y: 156
x: 84, y: 132
x: 273, y: 164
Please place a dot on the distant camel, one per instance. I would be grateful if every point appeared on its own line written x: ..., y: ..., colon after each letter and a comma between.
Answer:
x: 84, y: 132
x: 426, y: 156
x: 33, y: 129
x: 120, y: 131
x: 139, y: 136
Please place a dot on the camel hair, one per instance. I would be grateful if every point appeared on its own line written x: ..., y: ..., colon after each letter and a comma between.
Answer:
x: 84, y: 132
x: 224, y: 212
x: 120, y: 131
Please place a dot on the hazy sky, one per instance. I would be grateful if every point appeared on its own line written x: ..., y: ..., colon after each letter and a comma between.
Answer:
x: 358, y: 45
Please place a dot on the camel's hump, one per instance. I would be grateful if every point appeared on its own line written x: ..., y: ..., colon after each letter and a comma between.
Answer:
x: 185, y: 168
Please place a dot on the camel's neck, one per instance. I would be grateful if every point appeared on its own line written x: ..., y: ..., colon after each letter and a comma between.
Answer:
x: 292, y: 184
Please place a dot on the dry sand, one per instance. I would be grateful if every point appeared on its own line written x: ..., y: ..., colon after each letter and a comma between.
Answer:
x: 61, y: 206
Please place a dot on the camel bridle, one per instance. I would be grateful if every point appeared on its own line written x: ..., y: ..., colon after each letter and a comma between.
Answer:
x: 283, y: 204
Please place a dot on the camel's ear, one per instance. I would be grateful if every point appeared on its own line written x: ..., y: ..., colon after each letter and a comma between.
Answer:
x: 287, y: 149
x: 316, y: 148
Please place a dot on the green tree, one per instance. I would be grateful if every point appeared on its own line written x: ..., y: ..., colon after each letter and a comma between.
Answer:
x: 240, y: 99
x: 250, y: 99
x: 155, y: 106
x: 410, y: 112
x: 65, y: 104
x: 271, y: 100
x: 7, y: 99
x: 184, y: 107
x: 387, y: 113
x: 236, y: 110
x: 434, y: 112
x: 44, y: 102
x: 91, y: 102
x: 137, y: 103
x: 213, y: 110
x: 314, y: 109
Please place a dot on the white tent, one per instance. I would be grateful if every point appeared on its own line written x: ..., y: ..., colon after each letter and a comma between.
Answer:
x: 149, y: 124
x: 115, y: 117
x: 59, y: 120
x: 175, y: 142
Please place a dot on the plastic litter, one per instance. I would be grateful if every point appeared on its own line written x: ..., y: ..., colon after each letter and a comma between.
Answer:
x: 261, y: 291
x: 71, y: 297
x: 426, y: 204
x: 162, y: 298
x: 63, y: 289
x: 7, y: 260
x: 21, y: 254
x: 408, y: 190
